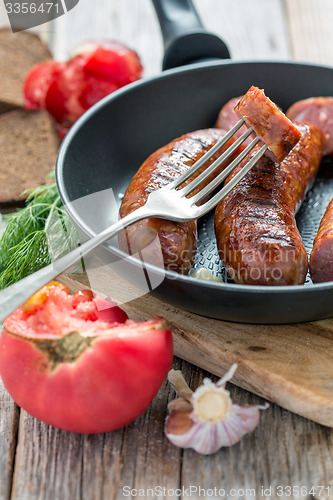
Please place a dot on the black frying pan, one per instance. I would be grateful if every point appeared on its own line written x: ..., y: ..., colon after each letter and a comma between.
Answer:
x: 108, y: 144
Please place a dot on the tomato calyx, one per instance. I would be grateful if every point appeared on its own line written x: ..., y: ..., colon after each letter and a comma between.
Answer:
x: 66, y: 349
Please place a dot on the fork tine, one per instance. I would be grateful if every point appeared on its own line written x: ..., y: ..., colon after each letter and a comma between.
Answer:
x: 186, y: 175
x: 224, y: 174
x: 208, y: 171
x: 212, y: 202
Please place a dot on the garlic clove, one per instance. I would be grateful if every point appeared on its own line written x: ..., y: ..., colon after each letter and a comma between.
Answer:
x: 178, y: 423
x: 210, y: 403
x: 214, y: 421
x: 240, y: 421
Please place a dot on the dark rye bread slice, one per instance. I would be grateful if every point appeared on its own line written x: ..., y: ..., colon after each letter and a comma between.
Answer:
x: 28, y: 150
x: 19, y: 52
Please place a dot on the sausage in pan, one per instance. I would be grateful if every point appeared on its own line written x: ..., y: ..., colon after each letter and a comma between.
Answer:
x: 321, y: 258
x: 227, y: 117
x: 255, y: 227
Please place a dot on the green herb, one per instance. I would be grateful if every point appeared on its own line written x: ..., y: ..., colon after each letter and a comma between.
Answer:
x: 35, y: 235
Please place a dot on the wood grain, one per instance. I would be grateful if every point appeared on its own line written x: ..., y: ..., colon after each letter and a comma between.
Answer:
x: 252, y: 30
x: 310, y: 30
x: 9, y: 417
x: 56, y: 465
x: 53, y: 464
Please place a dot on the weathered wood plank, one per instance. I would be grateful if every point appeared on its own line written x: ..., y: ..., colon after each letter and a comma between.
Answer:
x: 310, y: 28
x: 57, y: 465
x: 9, y: 417
x: 252, y: 30
x: 48, y: 462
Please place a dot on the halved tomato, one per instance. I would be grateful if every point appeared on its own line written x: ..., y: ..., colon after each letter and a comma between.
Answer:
x: 68, y: 367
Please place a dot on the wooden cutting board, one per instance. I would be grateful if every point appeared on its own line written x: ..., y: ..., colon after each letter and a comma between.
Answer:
x: 291, y: 365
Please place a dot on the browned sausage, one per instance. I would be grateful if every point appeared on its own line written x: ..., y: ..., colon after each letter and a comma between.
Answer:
x: 317, y: 110
x: 227, y: 117
x: 177, y: 240
x: 255, y: 227
x: 321, y: 258
x: 268, y: 122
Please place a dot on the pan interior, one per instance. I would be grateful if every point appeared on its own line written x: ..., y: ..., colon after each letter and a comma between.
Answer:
x: 106, y: 147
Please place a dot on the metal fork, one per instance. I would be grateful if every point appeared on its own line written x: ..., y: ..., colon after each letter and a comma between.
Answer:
x: 169, y: 202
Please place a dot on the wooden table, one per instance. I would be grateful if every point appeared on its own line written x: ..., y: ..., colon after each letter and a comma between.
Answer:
x: 40, y: 462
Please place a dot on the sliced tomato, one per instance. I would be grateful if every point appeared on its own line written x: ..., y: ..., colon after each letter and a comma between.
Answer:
x: 38, y: 81
x: 67, y: 90
x: 62, y: 98
x: 71, y: 369
x: 114, y: 61
x: 73, y: 92
x: 94, y: 90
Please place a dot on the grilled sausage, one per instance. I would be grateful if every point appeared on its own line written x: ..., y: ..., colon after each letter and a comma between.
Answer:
x: 317, y: 110
x: 321, y: 257
x: 177, y: 240
x: 268, y: 122
x: 227, y: 117
x: 255, y: 225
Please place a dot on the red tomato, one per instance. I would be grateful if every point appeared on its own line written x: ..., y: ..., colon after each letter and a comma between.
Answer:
x: 114, y: 61
x: 67, y: 90
x: 62, y: 97
x: 94, y: 89
x: 37, y: 83
x: 79, y: 373
x: 109, y: 311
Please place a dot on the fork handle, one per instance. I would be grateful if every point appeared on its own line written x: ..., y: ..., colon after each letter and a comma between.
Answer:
x: 13, y: 296
x: 185, y: 39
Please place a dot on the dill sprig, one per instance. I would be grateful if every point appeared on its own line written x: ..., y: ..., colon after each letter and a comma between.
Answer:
x: 35, y: 235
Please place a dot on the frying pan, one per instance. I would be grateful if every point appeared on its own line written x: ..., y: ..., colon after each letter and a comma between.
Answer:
x: 108, y: 144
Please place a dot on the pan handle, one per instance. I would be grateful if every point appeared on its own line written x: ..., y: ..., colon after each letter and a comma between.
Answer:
x: 185, y: 39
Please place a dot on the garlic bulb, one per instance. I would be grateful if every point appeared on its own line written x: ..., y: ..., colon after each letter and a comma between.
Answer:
x: 202, y: 273
x: 207, y: 420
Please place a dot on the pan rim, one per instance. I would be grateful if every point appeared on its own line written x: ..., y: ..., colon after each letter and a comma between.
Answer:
x: 171, y: 275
